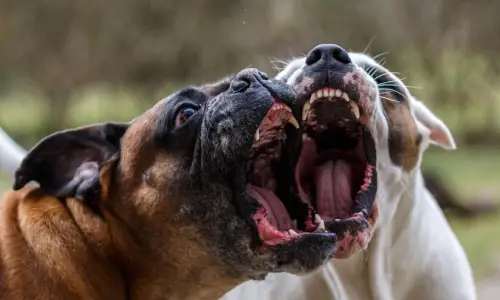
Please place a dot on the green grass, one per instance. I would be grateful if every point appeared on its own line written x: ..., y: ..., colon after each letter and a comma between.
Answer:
x: 481, y: 241
x: 467, y: 172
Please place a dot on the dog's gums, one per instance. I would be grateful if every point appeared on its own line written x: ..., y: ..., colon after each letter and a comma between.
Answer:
x: 334, y: 174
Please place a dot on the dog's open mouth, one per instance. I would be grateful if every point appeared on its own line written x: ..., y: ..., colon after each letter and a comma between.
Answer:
x: 335, y: 177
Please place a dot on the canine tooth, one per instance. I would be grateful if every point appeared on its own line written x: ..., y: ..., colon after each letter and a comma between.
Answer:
x: 292, y: 232
x: 355, y: 109
x: 288, y: 108
x: 331, y: 93
x: 294, y: 122
x: 313, y: 98
x: 338, y: 93
x: 345, y: 97
x: 305, y: 110
x: 321, y: 223
x: 317, y: 218
x: 319, y: 93
x: 257, y: 135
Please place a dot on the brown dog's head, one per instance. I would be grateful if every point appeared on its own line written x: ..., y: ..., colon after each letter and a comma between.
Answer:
x: 361, y: 130
x: 190, y: 186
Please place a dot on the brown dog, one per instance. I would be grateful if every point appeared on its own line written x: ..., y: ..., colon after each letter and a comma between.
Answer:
x: 156, y: 208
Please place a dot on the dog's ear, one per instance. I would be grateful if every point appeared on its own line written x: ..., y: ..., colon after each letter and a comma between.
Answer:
x: 67, y: 163
x: 439, y: 134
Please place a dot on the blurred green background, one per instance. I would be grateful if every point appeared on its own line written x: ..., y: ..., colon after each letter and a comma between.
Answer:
x: 69, y: 63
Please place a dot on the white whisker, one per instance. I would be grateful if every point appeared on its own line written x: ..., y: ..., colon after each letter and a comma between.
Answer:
x: 385, y: 84
x: 369, y: 44
x: 413, y: 87
x: 392, y: 90
x: 379, y: 55
x: 386, y: 73
x: 388, y: 99
x: 382, y: 61
x: 370, y: 71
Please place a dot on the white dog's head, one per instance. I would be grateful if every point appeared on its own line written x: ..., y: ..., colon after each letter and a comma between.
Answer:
x: 362, y: 131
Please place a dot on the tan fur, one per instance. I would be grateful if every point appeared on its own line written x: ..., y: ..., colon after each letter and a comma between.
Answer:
x: 60, y: 249
x: 404, y: 138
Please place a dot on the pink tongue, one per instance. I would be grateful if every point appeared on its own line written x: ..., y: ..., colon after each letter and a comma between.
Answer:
x: 277, y: 214
x: 333, y: 188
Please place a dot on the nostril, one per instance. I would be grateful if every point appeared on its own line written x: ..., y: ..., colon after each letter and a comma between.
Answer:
x: 328, y: 53
x: 240, y: 85
x: 313, y: 56
x: 341, y: 55
x: 263, y: 75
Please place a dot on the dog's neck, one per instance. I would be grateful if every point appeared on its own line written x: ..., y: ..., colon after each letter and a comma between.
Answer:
x: 88, y: 256
x: 175, y: 271
x: 399, y: 194
x: 395, y: 190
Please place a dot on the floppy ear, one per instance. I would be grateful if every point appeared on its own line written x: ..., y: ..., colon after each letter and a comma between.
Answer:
x: 439, y: 133
x: 67, y: 163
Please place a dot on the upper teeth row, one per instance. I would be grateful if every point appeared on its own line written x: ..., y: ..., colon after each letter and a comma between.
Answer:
x: 290, y: 120
x: 329, y: 93
x: 280, y: 106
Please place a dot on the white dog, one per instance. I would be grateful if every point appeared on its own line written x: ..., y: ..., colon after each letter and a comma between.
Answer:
x: 11, y: 154
x: 413, y: 253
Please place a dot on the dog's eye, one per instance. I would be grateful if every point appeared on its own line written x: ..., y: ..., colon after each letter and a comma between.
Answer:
x: 184, y: 114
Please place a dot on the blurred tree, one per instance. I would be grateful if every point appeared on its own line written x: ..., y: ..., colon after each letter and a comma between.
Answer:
x: 63, y: 45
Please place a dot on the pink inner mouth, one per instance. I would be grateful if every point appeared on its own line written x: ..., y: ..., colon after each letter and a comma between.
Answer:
x: 335, y: 175
x: 334, y: 181
x: 327, y: 180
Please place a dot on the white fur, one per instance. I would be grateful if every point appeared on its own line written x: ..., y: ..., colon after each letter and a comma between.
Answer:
x: 11, y: 154
x: 413, y: 255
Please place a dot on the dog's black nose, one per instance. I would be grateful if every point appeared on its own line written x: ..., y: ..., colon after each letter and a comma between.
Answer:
x: 255, y: 79
x: 327, y: 53
x: 245, y: 78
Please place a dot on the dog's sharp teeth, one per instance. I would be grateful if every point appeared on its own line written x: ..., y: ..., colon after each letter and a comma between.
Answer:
x: 313, y: 98
x: 317, y: 218
x: 320, y: 222
x: 292, y: 232
x: 345, y: 97
x: 338, y: 93
x: 355, y: 109
x: 257, y: 135
x: 331, y: 93
x: 305, y: 110
x: 319, y: 94
x: 294, y: 122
